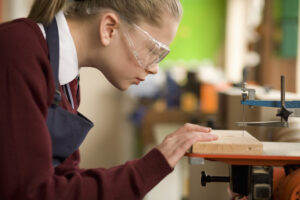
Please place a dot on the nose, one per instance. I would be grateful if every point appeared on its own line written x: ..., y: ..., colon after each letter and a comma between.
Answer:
x: 152, y: 69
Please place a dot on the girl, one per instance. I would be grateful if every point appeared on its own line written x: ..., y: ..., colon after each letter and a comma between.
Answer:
x: 40, y: 128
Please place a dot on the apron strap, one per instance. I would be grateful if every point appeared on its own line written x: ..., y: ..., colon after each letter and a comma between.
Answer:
x: 52, y: 37
x: 67, y: 130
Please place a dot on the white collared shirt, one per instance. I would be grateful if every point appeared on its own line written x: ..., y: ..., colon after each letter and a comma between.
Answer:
x: 68, y: 60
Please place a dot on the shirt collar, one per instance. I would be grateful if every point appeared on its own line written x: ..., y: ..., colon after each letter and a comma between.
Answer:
x: 68, y: 60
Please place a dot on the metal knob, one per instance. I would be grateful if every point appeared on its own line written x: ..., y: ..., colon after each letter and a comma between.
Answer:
x: 208, y: 179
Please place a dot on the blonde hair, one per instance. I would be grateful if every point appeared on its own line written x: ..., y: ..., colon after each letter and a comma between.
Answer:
x: 43, y: 11
x: 151, y: 11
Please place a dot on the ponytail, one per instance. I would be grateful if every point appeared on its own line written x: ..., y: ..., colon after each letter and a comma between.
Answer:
x: 44, y: 11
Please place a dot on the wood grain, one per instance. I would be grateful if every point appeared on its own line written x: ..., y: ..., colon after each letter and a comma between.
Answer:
x: 230, y: 142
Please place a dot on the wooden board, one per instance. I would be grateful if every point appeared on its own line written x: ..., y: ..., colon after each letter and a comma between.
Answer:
x: 230, y: 142
x: 281, y: 149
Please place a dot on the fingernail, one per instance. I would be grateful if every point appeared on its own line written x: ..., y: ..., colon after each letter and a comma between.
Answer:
x: 215, y: 136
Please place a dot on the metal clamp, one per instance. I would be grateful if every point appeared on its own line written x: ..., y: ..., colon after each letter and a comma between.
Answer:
x: 247, y: 92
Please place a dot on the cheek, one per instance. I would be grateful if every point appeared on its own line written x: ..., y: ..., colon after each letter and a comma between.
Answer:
x: 122, y: 67
x: 121, y: 72
x: 125, y: 52
x: 125, y: 63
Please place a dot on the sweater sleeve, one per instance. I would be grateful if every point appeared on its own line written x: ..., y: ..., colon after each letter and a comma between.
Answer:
x: 26, y: 172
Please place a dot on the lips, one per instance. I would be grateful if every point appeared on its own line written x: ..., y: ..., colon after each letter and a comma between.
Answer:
x: 140, y: 79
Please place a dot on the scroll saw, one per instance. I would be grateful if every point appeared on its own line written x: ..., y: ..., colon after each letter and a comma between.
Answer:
x: 248, y: 98
x: 275, y: 174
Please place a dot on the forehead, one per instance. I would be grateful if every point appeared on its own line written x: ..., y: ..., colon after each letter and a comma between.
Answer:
x: 164, y: 33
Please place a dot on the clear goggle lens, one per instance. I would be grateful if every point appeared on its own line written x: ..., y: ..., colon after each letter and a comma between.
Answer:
x: 146, y: 49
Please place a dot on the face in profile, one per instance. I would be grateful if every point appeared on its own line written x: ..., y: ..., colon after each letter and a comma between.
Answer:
x: 138, y: 50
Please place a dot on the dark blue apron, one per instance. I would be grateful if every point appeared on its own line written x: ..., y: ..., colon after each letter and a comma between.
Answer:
x: 67, y: 130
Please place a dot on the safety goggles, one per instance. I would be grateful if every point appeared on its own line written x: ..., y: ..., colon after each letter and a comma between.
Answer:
x: 147, y: 50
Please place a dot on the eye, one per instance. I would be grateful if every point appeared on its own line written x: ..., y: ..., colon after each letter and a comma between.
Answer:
x: 154, y: 50
x: 151, y: 49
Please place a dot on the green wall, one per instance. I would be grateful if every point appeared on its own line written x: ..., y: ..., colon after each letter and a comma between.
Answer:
x: 201, y: 32
x: 285, y: 16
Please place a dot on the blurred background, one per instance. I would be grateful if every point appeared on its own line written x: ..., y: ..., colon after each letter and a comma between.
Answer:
x: 219, y: 45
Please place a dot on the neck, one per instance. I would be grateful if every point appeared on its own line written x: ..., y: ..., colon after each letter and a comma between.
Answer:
x: 84, y: 36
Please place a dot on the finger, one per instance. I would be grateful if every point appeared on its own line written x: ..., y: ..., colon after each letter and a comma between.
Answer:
x: 175, y: 146
x: 195, y: 127
x: 189, y: 139
x: 200, y: 136
x: 207, y: 137
x: 185, y: 145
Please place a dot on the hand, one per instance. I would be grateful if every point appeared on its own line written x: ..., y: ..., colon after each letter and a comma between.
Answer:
x: 235, y: 196
x: 176, y: 144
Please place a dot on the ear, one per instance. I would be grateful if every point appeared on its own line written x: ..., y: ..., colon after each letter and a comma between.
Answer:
x: 109, y: 23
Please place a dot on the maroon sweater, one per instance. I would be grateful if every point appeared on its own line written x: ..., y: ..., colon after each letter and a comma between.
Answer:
x: 26, y: 172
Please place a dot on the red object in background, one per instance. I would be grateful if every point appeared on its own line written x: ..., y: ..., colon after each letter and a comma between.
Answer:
x: 286, y: 187
x: 208, y: 98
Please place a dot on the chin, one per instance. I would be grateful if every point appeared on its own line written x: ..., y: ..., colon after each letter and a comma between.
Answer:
x: 122, y: 87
